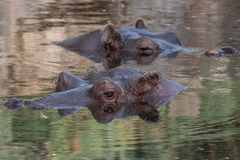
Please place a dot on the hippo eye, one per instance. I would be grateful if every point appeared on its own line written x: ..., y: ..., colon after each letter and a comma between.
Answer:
x: 108, y: 109
x: 145, y: 51
x: 144, y: 48
x: 109, y: 94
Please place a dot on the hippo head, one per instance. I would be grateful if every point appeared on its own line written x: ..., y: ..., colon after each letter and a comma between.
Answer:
x: 121, y: 43
x: 117, y: 45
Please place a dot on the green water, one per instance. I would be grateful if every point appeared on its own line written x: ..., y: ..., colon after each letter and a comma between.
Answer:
x: 202, y: 123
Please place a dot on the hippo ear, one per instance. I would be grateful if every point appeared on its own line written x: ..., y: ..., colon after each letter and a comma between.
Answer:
x: 111, y: 38
x: 146, y: 83
x: 140, y: 24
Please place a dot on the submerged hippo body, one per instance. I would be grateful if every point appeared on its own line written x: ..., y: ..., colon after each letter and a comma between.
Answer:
x: 118, y: 45
x: 108, y: 94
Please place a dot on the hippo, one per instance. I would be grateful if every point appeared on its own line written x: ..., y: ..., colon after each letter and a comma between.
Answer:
x: 117, y: 45
x: 115, y: 93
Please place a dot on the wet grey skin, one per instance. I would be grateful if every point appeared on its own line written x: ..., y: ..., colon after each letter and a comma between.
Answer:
x: 117, y: 45
x: 115, y: 93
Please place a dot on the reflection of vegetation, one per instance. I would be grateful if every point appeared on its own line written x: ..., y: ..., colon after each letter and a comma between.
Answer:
x: 211, y: 134
x: 29, y: 127
x: 217, y: 100
x: 5, y: 134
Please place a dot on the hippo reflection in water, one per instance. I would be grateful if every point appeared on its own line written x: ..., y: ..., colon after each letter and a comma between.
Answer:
x: 116, y: 45
x: 110, y: 94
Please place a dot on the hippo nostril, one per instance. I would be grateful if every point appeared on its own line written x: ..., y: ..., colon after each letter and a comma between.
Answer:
x: 108, y: 109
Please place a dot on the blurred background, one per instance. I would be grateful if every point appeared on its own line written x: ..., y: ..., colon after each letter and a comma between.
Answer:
x: 201, y: 123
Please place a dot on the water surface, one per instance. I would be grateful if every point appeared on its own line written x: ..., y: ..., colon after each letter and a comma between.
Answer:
x: 201, y: 123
